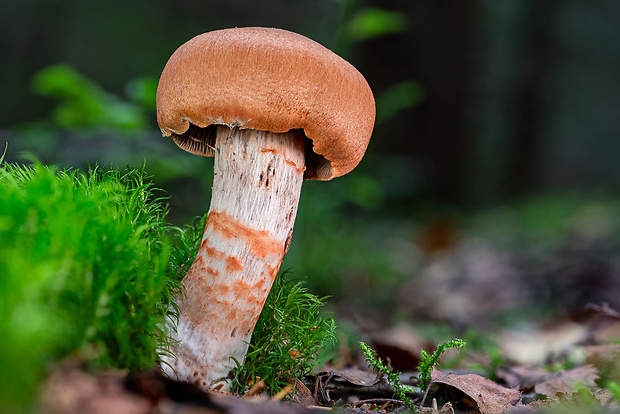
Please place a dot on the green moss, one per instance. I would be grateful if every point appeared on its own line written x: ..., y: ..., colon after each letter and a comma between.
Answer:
x: 288, y: 337
x: 83, y: 269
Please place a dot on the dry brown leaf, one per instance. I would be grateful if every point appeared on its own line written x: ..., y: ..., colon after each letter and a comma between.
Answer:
x: 564, y: 381
x: 603, y: 330
x: 598, y: 401
x: 604, y: 324
x: 606, y: 398
x: 490, y: 397
x: 356, y: 376
x: 523, y: 378
x: 466, y: 285
x: 606, y: 359
x: 303, y: 396
x: 603, y: 309
x: 69, y: 390
x: 603, y: 353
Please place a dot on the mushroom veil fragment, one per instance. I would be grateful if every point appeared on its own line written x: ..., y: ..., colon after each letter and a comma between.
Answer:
x: 273, y: 108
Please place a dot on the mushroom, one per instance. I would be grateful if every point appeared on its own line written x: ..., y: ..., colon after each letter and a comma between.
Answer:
x: 273, y: 107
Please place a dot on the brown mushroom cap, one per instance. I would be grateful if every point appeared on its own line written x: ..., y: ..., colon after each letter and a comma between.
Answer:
x: 270, y: 80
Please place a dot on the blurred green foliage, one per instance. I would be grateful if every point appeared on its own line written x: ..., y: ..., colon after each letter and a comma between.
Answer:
x: 361, y: 230
x: 397, y: 97
x: 84, y: 264
x: 143, y: 91
x: 333, y: 238
x: 370, y: 22
x: 84, y: 104
x: 548, y: 221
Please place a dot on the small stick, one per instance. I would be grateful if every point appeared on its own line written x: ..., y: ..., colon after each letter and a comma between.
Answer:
x: 377, y: 400
x: 255, y: 390
x: 282, y: 393
x: 426, y: 393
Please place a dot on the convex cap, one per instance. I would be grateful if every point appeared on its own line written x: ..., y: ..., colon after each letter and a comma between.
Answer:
x: 270, y: 80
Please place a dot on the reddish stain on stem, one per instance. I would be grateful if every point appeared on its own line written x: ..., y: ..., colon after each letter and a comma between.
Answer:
x: 300, y: 170
x: 212, y: 271
x: 233, y: 264
x: 260, y: 242
x: 212, y: 251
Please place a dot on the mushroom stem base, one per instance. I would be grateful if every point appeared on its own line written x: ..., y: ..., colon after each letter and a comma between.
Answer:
x: 256, y: 188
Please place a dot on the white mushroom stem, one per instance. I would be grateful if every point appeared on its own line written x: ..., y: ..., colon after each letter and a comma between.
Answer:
x: 256, y: 188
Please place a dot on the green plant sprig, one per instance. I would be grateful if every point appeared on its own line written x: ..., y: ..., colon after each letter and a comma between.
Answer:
x: 429, y: 361
x: 393, y: 377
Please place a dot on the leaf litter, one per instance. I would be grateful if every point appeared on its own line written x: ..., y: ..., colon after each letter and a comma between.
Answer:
x: 569, y: 363
x: 515, y: 387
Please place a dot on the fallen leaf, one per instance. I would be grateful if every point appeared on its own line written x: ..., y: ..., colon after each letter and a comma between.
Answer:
x: 606, y: 398
x: 490, y: 397
x: 564, y: 381
x: 603, y: 330
x: 356, y: 377
x: 603, y: 309
x: 69, y: 390
x: 303, y: 396
x: 523, y: 378
x: 606, y: 359
x: 464, y: 285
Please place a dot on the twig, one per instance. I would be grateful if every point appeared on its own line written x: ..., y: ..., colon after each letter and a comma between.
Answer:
x: 426, y: 393
x: 381, y: 400
x: 324, y: 385
x: 282, y: 393
x: 256, y: 389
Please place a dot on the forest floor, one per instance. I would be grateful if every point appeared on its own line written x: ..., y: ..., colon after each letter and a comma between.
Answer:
x: 541, y: 321
x: 565, y: 366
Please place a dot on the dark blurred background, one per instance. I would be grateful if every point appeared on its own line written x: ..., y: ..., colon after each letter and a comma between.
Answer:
x: 490, y: 186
